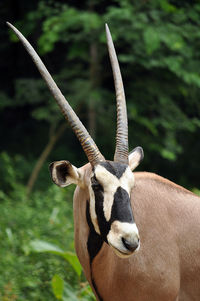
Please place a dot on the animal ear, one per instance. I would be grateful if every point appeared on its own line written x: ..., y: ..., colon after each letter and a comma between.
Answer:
x: 135, y: 157
x: 63, y: 173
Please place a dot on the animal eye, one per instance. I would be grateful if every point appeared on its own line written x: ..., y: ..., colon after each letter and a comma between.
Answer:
x: 95, y: 184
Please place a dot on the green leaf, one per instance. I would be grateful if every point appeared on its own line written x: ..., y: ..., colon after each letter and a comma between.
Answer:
x: 168, y: 154
x: 73, y: 260
x: 173, y: 40
x: 151, y: 39
x: 166, y: 6
x: 57, y: 286
x: 43, y: 246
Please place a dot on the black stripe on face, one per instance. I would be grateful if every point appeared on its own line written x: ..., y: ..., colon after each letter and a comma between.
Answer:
x: 121, y: 209
x: 104, y: 226
x: 94, y: 245
x: 95, y: 241
x: 115, y: 168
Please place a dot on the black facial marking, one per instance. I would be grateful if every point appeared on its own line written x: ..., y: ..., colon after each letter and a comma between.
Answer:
x: 104, y: 226
x: 94, y: 245
x: 117, y: 169
x: 96, y: 186
x: 121, y: 209
x: 95, y: 241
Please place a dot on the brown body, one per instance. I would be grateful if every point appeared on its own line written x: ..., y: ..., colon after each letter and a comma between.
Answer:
x: 167, y: 265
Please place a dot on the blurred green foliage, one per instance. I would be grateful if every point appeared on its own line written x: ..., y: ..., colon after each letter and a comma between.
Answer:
x: 62, y: 290
x: 158, y: 46
x: 29, y: 229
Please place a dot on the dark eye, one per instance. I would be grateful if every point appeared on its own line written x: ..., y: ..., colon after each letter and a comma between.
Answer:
x: 95, y: 184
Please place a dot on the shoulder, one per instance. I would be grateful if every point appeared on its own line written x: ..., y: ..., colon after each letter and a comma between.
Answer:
x: 154, y: 180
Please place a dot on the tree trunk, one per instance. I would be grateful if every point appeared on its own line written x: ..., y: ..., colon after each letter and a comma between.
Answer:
x: 48, y: 148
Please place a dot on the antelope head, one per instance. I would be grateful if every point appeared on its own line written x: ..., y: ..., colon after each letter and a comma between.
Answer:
x: 109, y: 183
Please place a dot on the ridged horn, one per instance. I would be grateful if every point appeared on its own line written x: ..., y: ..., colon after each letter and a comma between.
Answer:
x: 87, y: 143
x: 121, y: 150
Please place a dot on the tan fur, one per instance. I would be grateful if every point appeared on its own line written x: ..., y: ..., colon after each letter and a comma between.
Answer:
x: 167, y: 266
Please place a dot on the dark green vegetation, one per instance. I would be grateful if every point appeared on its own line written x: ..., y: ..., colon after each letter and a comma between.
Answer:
x: 158, y: 44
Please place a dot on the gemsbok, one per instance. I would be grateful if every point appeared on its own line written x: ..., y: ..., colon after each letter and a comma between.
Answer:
x: 165, y: 227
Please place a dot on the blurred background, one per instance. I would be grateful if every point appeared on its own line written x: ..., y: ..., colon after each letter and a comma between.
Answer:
x: 158, y: 46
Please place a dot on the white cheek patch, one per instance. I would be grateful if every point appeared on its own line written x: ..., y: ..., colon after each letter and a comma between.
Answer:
x: 93, y: 211
x: 110, y: 184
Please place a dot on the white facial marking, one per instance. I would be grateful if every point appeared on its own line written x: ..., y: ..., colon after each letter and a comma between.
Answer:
x: 110, y: 184
x: 121, y: 230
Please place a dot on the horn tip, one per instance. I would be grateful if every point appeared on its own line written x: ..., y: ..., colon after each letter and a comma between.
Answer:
x: 107, y: 30
x: 11, y: 26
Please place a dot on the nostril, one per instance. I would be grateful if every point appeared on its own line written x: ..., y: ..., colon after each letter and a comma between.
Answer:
x: 130, y: 245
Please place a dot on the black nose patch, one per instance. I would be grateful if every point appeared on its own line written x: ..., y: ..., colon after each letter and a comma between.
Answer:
x: 121, y: 209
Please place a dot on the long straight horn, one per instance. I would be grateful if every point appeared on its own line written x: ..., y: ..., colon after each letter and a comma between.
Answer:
x: 89, y: 146
x: 121, y: 151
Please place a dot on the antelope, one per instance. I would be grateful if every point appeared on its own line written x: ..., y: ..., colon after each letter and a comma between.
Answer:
x: 153, y: 255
